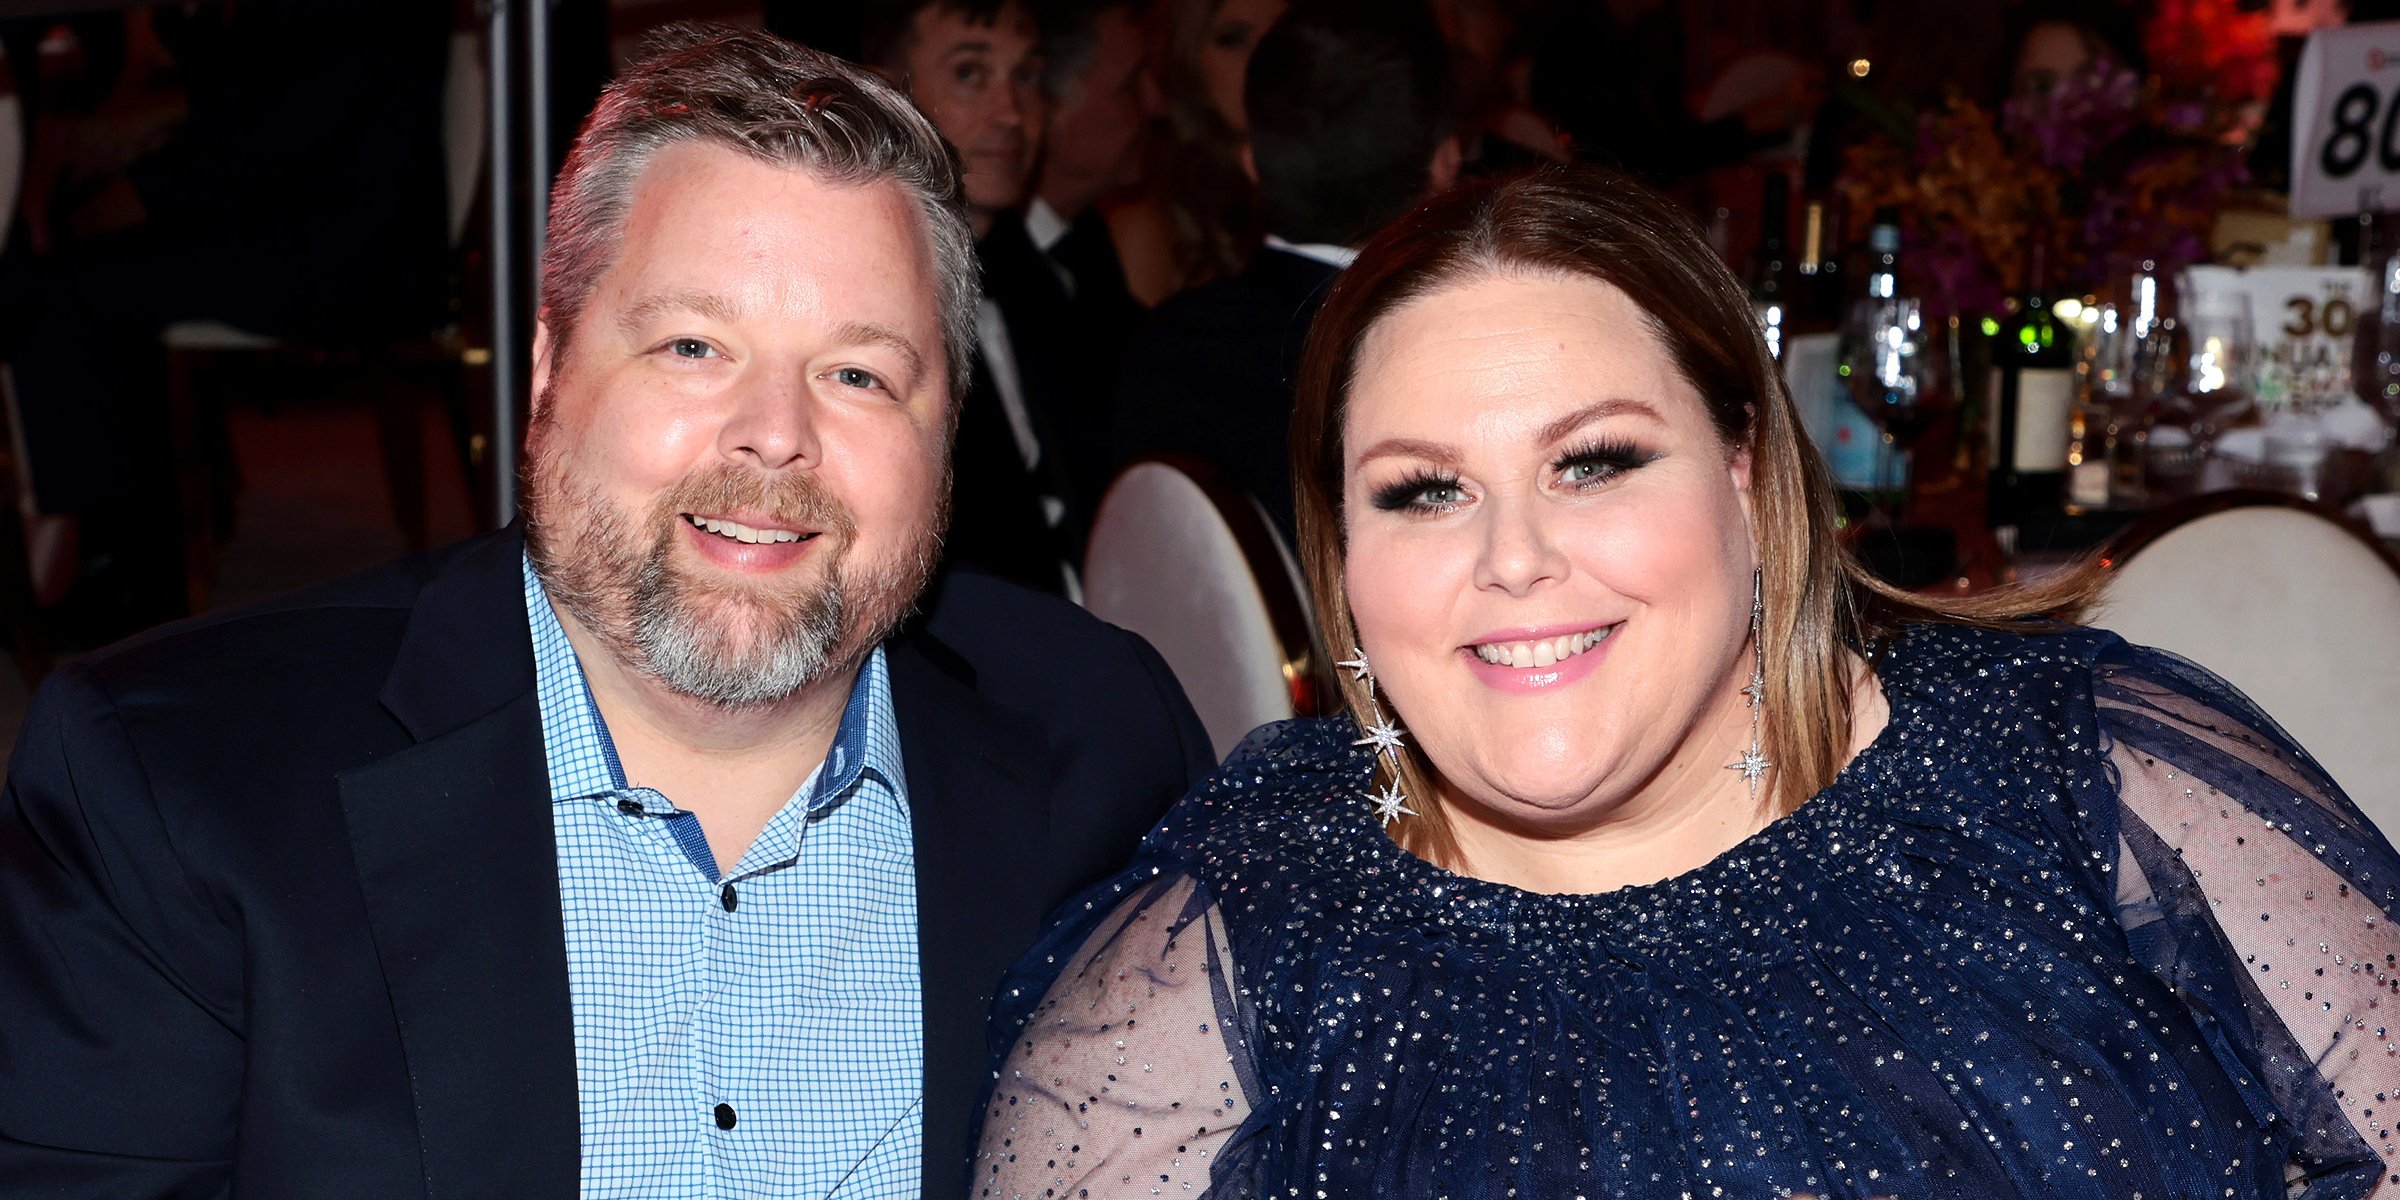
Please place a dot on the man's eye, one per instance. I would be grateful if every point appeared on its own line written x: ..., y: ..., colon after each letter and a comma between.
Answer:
x: 691, y: 348
x: 855, y: 377
x: 971, y: 75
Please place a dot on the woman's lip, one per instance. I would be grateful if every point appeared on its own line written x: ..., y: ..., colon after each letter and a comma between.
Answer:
x: 1535, y: 633
x: 1524, y: 681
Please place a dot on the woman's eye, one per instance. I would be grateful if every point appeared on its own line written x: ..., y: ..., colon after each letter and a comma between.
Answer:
x: 1422, y: 493
x: 1598, y: 464
x: 691, y: 348
x: 855, y: 377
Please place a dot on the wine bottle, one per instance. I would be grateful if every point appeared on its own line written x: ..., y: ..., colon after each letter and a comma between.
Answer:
x: 1822, y: 298
x: 1879, y: 373
x: 1769, y: 296
x: 2033, y: 399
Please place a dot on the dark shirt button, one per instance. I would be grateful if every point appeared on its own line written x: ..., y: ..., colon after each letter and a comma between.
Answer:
x: 724, y: 1116
x: 631, y: 808
x: 726, y: 897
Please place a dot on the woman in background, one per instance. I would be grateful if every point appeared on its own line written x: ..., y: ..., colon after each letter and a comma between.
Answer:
x: 1198, y: 218
x: 1665, y: 852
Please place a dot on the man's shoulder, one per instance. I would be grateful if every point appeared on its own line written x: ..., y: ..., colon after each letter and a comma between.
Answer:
x: 312, y: 640
x: 992, y: 623
x: 1263, y: 298
x: 1066, y: 670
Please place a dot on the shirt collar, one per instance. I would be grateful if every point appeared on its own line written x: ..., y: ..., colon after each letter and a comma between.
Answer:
x: 1044, y: 226
x: 1337, y: 257
x: 583, y: 758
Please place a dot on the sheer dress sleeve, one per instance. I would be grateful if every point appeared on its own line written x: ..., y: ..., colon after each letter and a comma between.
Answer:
x: 1131, y: 1075
x: 2257, y: 891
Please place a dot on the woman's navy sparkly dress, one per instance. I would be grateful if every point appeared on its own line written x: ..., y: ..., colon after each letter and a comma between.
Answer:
x: 2080, y: 923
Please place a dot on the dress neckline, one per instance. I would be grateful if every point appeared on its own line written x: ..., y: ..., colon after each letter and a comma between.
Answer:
x: 1828, y: 832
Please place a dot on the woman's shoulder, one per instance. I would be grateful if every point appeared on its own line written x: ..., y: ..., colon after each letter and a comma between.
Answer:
x: 1281, y: 789
x: 1978, y: 671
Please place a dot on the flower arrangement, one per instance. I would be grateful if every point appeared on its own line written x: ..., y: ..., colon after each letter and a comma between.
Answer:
x: 2101, y: 166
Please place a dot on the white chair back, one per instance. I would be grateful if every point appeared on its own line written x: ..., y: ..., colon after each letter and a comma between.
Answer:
x: 464, y: 128
x: 1191, y: 564
x: 12, y: 155
x: 2292, y: 607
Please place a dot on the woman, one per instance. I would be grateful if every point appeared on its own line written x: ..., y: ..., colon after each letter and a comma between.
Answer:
x: 1985, y: 906
x: 1196, y: 218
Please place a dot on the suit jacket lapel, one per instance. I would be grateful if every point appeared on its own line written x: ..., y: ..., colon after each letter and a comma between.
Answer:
x: 979, y: 809
x: 458, y: 864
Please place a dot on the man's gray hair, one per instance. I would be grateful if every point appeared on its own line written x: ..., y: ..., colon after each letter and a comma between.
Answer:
x: 781, y: 103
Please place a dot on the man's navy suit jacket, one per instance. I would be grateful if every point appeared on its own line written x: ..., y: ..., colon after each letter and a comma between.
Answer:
x: 279, y: 907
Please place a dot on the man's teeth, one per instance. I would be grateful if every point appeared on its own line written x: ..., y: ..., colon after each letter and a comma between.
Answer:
x: 1542, y: 653
x: 743, y: 533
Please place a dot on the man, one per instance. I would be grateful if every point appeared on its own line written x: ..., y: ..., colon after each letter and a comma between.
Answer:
x: 1102, y: 100
x: 652, y: 852
x: 1349, y: 126
x: 976, y: 68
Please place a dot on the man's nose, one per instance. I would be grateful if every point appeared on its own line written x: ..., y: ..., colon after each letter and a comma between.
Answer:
x: 773, y: 422
x: 1009, y: 105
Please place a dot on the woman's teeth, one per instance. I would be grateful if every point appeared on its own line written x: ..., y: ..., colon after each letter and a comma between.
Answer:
x: 1542, y: 653
x: 743, y: 533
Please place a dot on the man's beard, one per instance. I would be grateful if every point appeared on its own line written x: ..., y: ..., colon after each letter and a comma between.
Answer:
x: 732, y: 645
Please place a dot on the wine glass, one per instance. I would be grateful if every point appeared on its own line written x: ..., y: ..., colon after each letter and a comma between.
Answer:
x: 2221, y: 361
x: 1891, y: 366
x: 2129, y: 356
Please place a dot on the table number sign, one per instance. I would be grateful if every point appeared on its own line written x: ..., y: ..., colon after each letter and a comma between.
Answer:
x: 2346, y: 109
x: 2304, y: 326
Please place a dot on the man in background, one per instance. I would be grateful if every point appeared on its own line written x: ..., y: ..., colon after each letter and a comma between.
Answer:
x: 1350, y: 125
x: 976, y: 69
x: 1102, y: 101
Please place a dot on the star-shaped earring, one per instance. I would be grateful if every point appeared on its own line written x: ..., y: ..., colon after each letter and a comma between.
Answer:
x: 1358, y: 668
x: 1753, y: 766
x: 1383, y: 735
x: 1390, y: 805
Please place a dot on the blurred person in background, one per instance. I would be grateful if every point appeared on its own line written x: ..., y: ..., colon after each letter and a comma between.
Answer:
x: 2051, y: 41
x: 1102, y: 102
x: 976, y: 68
x: 1614, y: 74
x: 1350, y: 123
x: 1501, y: 129
x: 1198, y: 217
x: 273, y: 165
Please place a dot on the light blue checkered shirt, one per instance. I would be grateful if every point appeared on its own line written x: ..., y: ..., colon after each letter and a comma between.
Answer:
x: 782, y: 997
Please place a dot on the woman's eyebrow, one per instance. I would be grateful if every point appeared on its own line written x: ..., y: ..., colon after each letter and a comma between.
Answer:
x: 1615, y: 406
x: 1435, y: 452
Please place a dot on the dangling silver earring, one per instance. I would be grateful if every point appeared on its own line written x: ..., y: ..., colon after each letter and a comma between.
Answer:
x: 1386, y: 738
x: 1754, y: 765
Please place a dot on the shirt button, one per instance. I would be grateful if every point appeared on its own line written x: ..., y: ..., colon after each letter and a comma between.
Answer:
x: 724, y: 1116
x: 726, y: 897
x: 631, y: 808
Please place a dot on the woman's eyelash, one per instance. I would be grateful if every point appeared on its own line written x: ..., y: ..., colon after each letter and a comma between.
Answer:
x: 1410, y: 492
x: 1604, y: 460
x: 1607, y: 458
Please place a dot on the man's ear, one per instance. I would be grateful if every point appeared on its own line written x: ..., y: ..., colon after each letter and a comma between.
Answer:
x: 543, y: 347
x: 1443, y: 170
x: 1249, y: 164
